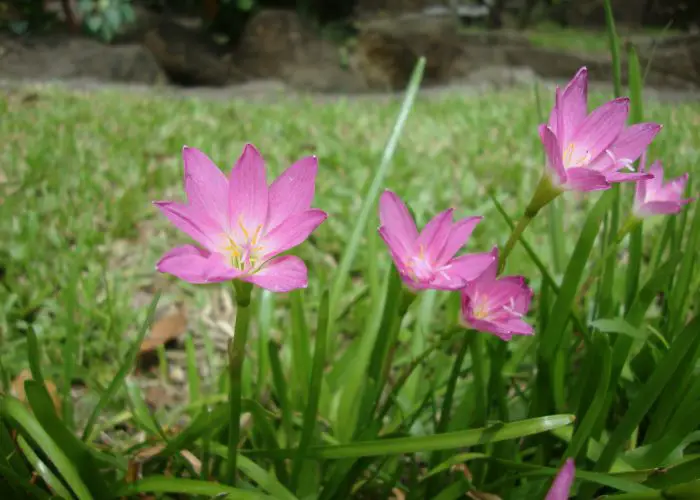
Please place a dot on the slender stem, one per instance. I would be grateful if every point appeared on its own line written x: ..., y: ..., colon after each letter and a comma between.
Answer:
x: 446, y: 410
x: 545, y: 192
x: 514, y: 237
x: 612, y: 248
x: 236, y: 355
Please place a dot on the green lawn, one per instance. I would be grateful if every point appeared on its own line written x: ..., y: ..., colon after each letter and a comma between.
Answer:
x: 586, y: 41
x: 79, y: 171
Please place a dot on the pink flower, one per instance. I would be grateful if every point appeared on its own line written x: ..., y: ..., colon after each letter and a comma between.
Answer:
x: 653, y: 197
x: 497, y: 305
x: 427, y: 260
x: 586, y: 151
x: 562, y: 483
x: 240, y: 223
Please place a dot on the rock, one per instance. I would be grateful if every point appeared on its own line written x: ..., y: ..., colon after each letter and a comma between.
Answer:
x: 186, y: 56
x: 386, y: 50
x: 68, y: 57
x: 677, y: 57
x: 498, y: 77
x: 393, y: 7
x: 125, y: 63
x: 551, y: 64
x: 277, y: 44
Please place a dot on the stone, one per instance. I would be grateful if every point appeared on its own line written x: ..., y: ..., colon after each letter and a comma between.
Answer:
x: 69, y: 57
x: 277, y: 44
x: 186, y: 56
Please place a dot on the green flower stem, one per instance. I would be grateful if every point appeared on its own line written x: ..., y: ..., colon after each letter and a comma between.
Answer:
x: 631, y: 223
x: 236, y: 355
x: 544, y: 194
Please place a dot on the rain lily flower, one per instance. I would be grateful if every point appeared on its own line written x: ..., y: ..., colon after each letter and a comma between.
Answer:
x: 240, y: 223
x: 562, y: 483
x: 427, y: 260
x: 653, y: 197
x: 497, y: 305
x: 586, y: 152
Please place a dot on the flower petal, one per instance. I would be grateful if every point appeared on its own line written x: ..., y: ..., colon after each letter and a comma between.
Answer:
x: 562, y: 483
x: 191, y: 221
x: 206, y: 186
x: 628, y: 176
x: 552, y: 149
x: 658, y: 208
x: 433, y: 237
x: 600, y: 129
x: 292, y: 191
x: 472, y: 265
x: 396, y: 248
x: 282, y: 274
x: 458, y: 237
x: 585, y: 179
x: 574, y: 105
x: 396, y: 220
x: 195, y: 265
x: 248, y: 195
x: 293, y: 231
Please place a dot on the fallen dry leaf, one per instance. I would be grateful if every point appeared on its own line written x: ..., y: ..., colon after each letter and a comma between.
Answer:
x: 166, y: 329
x: 18, y: 388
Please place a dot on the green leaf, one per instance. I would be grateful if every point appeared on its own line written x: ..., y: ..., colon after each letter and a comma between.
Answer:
x: 552, y: 336
x: 649, y: 392
x: 680, y: 294
x: 20, y: 483
x: 370, y: 197
x: 449, y: 440
x: 192, y: 371
x: 30, y: 427
x: 281, y: 390
x: 44, y: 471
x: 145, y: 420
x: 262, y: 478
x: 81, y: 456
x: 124, y: 369
x: 614, y: 48
x: 300, y: 342
x: 309, y: 423
x: 619, y: 325
x: 166, y: 484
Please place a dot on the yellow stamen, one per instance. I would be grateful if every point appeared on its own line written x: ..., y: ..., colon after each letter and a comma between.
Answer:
x: 240, y: 224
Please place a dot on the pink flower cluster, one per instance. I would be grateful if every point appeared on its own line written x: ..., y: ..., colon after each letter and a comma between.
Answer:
x: 242, y: 225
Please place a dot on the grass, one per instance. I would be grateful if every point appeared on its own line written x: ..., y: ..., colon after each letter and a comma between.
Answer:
x: 583, y: 40
x: 81, y: 170
x: 389, y: 401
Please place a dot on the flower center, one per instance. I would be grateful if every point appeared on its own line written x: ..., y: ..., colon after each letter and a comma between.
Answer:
x: 568, y: 159
x: 244, y: 254
x: 480, y: 309
x: 419, y: 267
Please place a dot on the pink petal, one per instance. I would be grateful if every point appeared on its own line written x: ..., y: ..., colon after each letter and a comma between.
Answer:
x: 206, y: 186
x: 574, y: 105
x: 518, y: 327
x: 191, y: 221
x: 657, y: 170
x: 553, y: 151
x: 458, y: 237
x: 562, y: 483
x: 195, y: 265
x: 628, y: 176
x: 433, y: 237
x: 282, y: 274
x: 292, y: 191
x: 396, y: 249
x: 491, y: 271
x: 658, y: 208
x: 674, y: 189
x: 397, y: 220
x: 632, y: 142
x: 600, y: 129
x: 640, y: 189
x: 293, y: 231
x: 585, y: 179
x: 248, y: 196
x: 472, y: 266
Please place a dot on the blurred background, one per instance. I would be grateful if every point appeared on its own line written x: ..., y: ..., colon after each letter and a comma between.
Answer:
x: 340, y: 46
